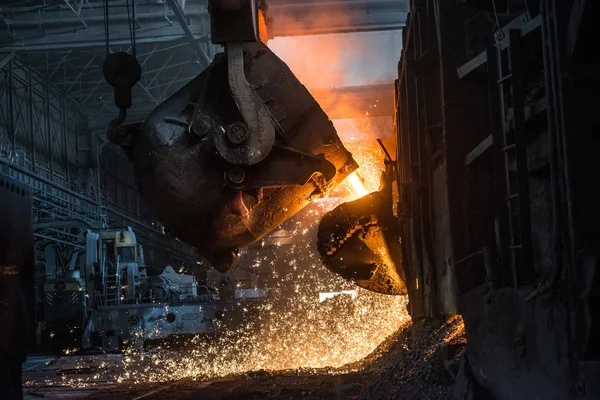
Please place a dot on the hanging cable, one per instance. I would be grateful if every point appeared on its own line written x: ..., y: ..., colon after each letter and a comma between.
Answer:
x: 129, y: 23
x: 106, y: 30
x: 496, y: 15
x: 133, y: 7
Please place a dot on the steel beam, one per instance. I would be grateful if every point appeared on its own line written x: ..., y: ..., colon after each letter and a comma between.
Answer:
x: 81, y: 72
x: 62, y: 60
x: 479, y: 60
x: 316, y: 13
x: 97, y: 39
x: 66, y: 223
x: 53, y: 239
x: 356, y: 101
x: 5, y: 59
x: 176, y: 7
x: 64, y: 42
x: 163, y: 95
x: 141, y: 86
x: 291, y: 18
x: 76, y: 13
x: 48, y: 121
x: 298, y: 18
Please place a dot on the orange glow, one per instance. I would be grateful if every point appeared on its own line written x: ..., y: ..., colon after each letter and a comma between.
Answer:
x: 357, y: 187
x: 320, y: 62
x: 262, y: 28
x: 360, y: 139
x: 297, y: 330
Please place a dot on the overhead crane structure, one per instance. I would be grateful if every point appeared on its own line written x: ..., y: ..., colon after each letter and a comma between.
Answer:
x: 66, y: 41
x: 64, y: 25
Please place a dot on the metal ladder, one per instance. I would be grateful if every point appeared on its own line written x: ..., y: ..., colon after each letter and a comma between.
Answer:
x: 111, y: 284
x: 514, y: 222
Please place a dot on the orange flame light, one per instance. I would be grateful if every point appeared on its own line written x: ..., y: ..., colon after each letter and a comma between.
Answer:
x: 358, y: 188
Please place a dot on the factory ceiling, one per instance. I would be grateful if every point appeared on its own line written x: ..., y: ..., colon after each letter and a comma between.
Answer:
x: 66, y: 42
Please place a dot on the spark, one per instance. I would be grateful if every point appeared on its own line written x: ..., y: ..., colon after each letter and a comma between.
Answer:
x: 294, y: 330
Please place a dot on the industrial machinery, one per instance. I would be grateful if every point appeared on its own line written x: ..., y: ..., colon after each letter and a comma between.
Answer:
x: 64, y: 312
x: 243, y: 147
x: 126, y: 305
x: 360, y: 240
x: 487, y: 212
x: 17, y: 309
x: 236, y: 151
x: 237, y: 284
x: 106, y: 297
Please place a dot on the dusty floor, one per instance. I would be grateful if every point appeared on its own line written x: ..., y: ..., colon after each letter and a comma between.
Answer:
x: 415, y: 363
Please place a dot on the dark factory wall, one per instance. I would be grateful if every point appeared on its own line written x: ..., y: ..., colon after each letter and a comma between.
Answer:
x: 39, y: 127
x: 45, y: 143
x: 118, y: 184
x: 497, y: 149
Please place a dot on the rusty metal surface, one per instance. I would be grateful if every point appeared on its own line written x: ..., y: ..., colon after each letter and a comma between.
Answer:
x: 250, y: 142
x: 138, y: 322
x: 182, y: 178
x: 358, y: 241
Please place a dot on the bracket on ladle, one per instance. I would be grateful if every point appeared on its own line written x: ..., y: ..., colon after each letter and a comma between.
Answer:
x: 249, y: 141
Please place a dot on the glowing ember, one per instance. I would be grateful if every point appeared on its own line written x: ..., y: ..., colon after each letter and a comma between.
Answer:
x: 359, y: 137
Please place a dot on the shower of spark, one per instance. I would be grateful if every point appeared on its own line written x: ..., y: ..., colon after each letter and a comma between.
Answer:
x: 294, y: 330
x: 359, y: 137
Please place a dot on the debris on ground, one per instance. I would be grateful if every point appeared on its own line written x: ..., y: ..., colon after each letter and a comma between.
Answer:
x: 416, y: 365
x: 417, y: 362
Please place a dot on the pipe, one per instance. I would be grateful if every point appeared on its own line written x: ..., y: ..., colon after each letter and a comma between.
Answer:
x: 554, y: 171
x: 548, y: 284
x: 66, y: 223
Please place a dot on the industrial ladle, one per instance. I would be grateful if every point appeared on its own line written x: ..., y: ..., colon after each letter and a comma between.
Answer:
x: 238, y: 150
